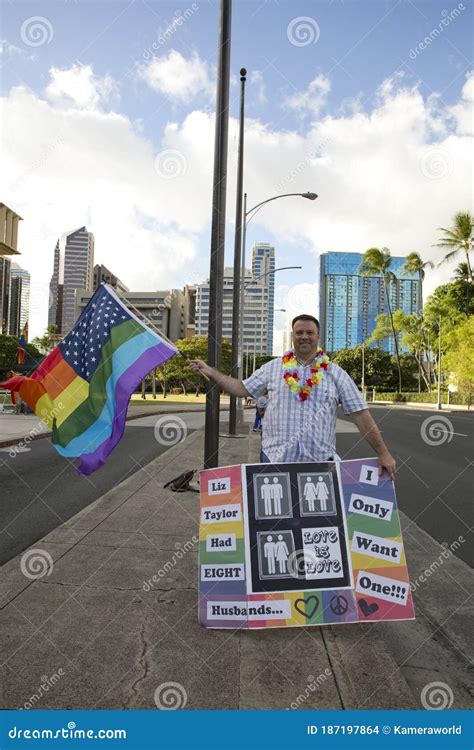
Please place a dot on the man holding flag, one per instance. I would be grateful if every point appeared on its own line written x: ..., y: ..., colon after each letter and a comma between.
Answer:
x: 83, y: 387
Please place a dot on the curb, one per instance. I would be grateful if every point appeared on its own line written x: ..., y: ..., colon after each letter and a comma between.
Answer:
x: 451, y: 408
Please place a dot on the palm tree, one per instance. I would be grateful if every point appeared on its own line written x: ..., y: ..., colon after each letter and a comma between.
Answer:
x: 458, y: 239
x: 462, y: 272
x: 375, y: 261
x: 414, y: 264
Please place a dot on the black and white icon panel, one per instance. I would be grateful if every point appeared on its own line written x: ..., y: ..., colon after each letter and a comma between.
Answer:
x: 275, y: 553
x: 316, y: 494
x: 272, y: 495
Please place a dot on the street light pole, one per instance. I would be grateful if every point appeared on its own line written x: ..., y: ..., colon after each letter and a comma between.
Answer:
x: 216, y: 275
x: 438, y: 403
x: 246, y: 213
x: 237, y: 257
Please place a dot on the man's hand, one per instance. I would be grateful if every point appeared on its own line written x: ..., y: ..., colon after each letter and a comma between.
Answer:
x: 387, y: 461
x: 369, y: 430
x: 197, y: 365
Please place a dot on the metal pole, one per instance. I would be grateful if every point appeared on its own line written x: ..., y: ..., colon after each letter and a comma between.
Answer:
x: 240, y: 409
x: 216, y: 274
x: 237, y: 257
x: 363, y: 368
x: 438, y: 404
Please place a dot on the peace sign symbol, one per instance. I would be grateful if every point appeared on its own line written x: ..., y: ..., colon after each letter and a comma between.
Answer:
x: 339, y: 604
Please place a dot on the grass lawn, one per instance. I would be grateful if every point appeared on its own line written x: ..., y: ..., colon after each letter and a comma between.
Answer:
x: 173, y: 398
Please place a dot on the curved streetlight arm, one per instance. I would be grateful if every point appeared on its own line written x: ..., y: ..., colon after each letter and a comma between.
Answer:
x: 268, y: 273
x: 258, y: 206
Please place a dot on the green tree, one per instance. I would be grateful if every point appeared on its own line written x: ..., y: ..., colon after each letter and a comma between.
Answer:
x: 9, y: 356
x: 414, y: 264
x: 412, y: 332
x: 377, y: 365
x: 458, y: 361
x: 176, y: 373
x: 458, y: 239
x: 461, y: 273
x: 48, y: 340
x: 377, y: 261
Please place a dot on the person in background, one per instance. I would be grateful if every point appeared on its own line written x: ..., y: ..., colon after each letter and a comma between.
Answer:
x: 260, y: 407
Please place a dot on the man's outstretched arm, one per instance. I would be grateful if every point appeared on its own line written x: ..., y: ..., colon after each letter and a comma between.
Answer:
x: 369, y: 430
x: 234, y: 386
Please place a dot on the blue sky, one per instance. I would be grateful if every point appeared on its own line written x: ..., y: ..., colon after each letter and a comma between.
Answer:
x: 334, y: 89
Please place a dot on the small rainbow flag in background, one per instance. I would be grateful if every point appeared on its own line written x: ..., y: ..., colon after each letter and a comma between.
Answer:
x: 83, y: 387
x: 22, y: 342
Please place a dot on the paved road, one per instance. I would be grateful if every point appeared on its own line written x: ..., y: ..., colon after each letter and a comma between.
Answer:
x: 39, y: 489
x: 434, y: 482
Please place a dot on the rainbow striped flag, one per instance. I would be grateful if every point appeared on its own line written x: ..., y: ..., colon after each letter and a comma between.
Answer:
x: 83, y: 387
x: 22, y: 342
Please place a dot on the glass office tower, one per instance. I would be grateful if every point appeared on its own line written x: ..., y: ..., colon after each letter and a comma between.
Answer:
x: 349, y: 303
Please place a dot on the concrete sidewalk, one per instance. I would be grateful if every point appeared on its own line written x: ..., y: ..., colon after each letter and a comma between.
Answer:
x: 98, y: 635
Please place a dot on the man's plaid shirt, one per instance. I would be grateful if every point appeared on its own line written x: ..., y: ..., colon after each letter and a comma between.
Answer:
x: 295, y: 430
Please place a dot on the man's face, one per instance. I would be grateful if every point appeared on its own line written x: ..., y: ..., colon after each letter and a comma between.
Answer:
x: 305, y: 338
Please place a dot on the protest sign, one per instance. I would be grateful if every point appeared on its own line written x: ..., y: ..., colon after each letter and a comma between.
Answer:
x: 285, y: 545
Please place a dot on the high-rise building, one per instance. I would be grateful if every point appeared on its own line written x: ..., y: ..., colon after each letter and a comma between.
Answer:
x: 263, y: 263
x: 256, y: 311
x: 349, y: 302
x: 9, y: 221
x: 5, y: 269
x: 19, y: 299
x: 171, y: 311
x: 103, y: 275
x: 73, y: 269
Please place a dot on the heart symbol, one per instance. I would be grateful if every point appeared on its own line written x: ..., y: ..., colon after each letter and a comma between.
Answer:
x: 300, y: 606
x: 368, y: 609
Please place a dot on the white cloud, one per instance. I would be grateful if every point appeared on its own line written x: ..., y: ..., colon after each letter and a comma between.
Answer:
x: 178, y: 77
x: 312, y: 99
x: 79, y: 86
x: 387, y: 176
x: 258, y: 86
x: 463, y: 112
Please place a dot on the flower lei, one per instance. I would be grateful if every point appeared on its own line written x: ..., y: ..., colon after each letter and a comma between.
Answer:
x: 290, y: 373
